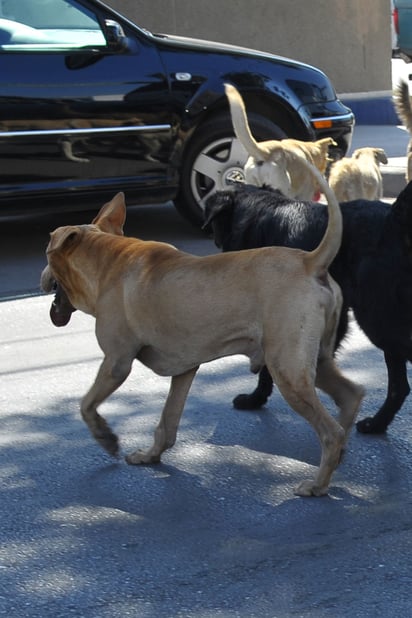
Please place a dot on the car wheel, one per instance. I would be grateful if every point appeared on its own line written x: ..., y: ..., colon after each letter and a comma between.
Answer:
x: 214, y: 161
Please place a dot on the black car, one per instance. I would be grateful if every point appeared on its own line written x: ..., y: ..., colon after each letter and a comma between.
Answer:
x: 91, y: 104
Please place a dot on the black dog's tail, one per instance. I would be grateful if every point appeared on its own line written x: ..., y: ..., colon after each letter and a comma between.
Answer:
x: 402, y: 103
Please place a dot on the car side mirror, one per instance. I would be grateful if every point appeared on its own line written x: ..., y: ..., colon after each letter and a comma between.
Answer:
x: 115, y: 36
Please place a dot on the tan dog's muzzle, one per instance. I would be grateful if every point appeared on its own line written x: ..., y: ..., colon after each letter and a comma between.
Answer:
x: 61, y: 308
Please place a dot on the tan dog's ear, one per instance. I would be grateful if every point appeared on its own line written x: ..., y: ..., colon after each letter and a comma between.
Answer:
x: 280, y: 155
x: 63, y: 236
x: 326, y: 141
x: 380, y: 155
x: 112, y: 216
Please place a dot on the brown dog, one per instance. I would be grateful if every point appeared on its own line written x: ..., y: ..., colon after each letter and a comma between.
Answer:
x: 278, y: 163
x: 358, y: 176
x: 173, y: 311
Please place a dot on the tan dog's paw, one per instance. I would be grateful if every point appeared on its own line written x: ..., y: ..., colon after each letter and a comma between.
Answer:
x: 309, y: 489
x: 141, y: 458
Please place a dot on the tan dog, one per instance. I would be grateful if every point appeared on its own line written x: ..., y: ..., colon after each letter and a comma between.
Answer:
x: 402, y: 103
x: 358, y: 176
x: 173, y: 311
x: 277, y: 163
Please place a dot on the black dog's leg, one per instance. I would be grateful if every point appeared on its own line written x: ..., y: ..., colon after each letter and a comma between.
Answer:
x: 260, y: 395
x: 398, y: 390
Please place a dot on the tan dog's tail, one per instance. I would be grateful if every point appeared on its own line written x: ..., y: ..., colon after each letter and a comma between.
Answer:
x: 402, y: 103
x: 241, y: 125
x: 319, y: 260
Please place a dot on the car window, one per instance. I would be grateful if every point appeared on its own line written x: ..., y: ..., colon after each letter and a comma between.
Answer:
x: 45, y: 25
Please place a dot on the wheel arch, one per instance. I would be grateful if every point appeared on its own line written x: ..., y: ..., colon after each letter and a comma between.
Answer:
x: 278, y: 112
x: 272, y: 108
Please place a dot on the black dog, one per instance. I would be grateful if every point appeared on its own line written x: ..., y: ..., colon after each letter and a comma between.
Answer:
x: 373, y: 268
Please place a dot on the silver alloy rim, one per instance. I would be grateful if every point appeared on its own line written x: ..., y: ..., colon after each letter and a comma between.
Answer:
x: 217, y: 167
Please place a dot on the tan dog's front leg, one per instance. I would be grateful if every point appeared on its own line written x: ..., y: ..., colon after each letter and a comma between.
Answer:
x: 109, y: 377
x: 165, y: 434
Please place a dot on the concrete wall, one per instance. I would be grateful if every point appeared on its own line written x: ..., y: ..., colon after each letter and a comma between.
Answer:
x: 350, y: 40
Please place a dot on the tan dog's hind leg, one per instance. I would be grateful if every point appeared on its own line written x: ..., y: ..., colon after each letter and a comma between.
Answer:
x: 108, y: 379
x: 165, y: 434
x: 305, y: 402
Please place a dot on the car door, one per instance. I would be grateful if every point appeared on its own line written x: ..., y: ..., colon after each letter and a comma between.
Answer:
x: 83, y: 104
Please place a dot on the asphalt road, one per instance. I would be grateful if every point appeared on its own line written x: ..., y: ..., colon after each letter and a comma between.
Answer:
x: 215, y: 529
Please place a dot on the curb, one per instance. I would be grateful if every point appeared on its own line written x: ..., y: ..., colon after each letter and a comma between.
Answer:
x: 393, y: 179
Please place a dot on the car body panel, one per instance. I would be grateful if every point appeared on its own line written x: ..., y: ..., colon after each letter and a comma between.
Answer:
x: 83, y: 130
x: 88, y: 121
x: 402, y: 19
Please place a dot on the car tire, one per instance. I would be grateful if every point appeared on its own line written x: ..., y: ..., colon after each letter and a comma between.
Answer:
x: 214, y: 160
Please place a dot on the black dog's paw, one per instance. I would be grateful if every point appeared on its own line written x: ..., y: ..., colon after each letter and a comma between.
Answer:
x: 109, y: 441
x: 248, y: 402
x: 371, y: 425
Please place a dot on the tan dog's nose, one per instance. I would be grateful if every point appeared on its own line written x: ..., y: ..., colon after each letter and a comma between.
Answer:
x: 47, y: 281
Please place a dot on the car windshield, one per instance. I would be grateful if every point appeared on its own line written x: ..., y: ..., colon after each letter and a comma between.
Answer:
x: 48, y: 25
